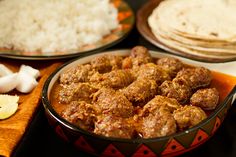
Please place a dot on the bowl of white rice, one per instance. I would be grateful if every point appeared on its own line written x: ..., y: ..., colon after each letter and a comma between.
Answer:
x: 48, y: 29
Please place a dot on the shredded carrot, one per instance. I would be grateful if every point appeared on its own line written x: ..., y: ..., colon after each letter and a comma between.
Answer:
x: 116, y: 3
x: 126, y: 26
x: 124, y: 15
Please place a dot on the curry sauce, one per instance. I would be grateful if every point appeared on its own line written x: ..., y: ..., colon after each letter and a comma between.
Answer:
x: 138, y: 96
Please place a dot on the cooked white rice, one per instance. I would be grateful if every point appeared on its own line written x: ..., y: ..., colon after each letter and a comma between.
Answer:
x: 54, y: 25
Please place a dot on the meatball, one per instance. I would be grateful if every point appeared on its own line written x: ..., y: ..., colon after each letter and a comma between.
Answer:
x: 195, y: 77
x: 111, y: 126
x: 188, y: 116
x: 80, y: 114
x: 153, y: 106
x: 140, y: 90
x: 175, y: 89
x: 172, y: 65
x: 76, y: 92
x: 152, y: 71
x: 127, y: 63
x: 207, y: 99
x: 80, y: 73
x: 115, y: 79
x: 139, y: 56
x: 109, y: 101
x: 106, y: 63
x: 162, y: 123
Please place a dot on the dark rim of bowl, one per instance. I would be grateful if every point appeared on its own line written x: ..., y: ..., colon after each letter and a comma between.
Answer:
x: 55, y: 115
x: 80, y: 54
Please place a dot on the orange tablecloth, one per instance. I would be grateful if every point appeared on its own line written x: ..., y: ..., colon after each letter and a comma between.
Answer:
x: 13, y: 128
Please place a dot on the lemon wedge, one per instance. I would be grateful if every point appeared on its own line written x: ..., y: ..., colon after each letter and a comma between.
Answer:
x: 8, y: 105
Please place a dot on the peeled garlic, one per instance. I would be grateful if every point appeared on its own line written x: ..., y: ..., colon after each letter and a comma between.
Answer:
x: 26, y: 82
x: 8, y: 82
x: 28, y: 69
x: 8, y: 105
x: 4, y: 70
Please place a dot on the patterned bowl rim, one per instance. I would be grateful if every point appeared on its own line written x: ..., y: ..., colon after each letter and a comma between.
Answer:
x: 58, y: 118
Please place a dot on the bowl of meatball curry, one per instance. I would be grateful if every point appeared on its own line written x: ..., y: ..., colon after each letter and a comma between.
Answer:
x: 135, y: 102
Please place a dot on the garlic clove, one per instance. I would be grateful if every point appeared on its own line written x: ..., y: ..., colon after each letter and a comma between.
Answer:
x: 30, y: 70
x: 4, y: 70
x: 8, y: 82
x: 26, y: 83
x: 8, y: 105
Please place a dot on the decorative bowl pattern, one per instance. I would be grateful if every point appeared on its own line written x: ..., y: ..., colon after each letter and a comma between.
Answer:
x: 172, y: 145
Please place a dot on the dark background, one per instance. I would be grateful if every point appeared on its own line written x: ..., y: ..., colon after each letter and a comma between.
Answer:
x: 41, y: 141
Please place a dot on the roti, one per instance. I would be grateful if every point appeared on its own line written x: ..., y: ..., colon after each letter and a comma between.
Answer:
x: 200, y: 27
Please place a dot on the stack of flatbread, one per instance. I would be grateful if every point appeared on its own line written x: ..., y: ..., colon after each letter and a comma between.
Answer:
x: 204, y: 28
